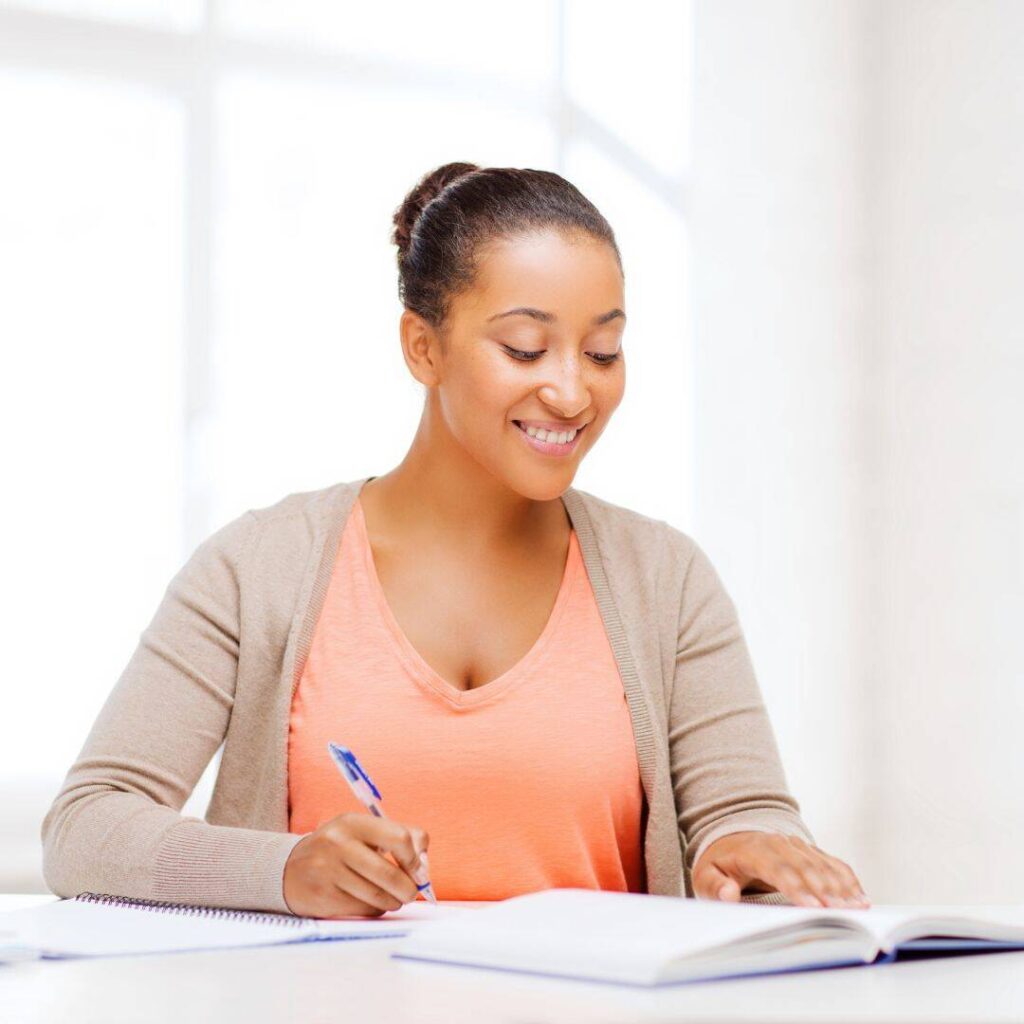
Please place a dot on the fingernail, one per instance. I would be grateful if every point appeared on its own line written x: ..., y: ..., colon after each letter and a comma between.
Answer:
x: 426, y: 886
x: 422, y: 872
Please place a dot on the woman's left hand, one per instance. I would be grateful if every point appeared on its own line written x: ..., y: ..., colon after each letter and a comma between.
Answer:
x: 767, y: 861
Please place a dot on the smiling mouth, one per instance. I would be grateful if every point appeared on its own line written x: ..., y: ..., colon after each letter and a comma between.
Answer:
x: 579, y: 430
x: 551, y: 448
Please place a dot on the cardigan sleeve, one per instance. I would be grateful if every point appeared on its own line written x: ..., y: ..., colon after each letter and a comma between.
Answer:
x: 727, y: 775
x: 114, y: 826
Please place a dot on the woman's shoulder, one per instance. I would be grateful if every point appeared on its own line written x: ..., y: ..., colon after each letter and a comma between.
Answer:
x: 623, y: 529
x: 283, y: 530
x: 314, y: 506
x: 647, y: 551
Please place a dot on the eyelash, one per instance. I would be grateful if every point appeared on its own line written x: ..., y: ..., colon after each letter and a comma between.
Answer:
x: 529, y: 357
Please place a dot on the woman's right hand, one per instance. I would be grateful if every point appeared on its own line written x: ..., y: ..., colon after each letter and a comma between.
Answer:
x: 340, y: 869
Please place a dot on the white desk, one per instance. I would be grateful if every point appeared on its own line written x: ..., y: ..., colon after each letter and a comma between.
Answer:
x: 358, y: 983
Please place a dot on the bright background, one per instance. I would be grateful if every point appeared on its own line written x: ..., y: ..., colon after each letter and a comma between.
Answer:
x: 820, y: 205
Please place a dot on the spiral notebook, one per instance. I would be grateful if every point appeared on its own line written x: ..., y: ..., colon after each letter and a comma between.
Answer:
x: 95, y: 924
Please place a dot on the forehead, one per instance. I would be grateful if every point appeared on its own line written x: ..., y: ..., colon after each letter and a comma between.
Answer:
x: 570, y: 276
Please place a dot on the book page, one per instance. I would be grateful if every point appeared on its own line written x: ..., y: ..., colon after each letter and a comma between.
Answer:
x: 589, y: 933
x: 892, y: 923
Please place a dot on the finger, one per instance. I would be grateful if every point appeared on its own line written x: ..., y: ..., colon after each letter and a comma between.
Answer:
x: 420, y: 838
x: 840, y: 892
x: 828, y: 879
x: 818, y: 877
x: 787, y: 879
x: 349, y: 906
x: 383, y: 873
x: 851, y: 882
x: 388, y: 836
x: 352, y: 883
x: 852, y: 888
x: 412, y: 856
x: 339, y: 902
x: 715, y: 884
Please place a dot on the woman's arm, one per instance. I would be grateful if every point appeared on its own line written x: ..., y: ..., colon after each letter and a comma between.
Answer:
x: 114, y: 827
x: 726, y: 771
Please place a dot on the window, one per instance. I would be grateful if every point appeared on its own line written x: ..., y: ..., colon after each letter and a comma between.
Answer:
x: 195, y: 205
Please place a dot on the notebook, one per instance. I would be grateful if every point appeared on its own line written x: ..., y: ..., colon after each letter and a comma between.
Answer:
x: 93, y: 924
x: 640, y: 939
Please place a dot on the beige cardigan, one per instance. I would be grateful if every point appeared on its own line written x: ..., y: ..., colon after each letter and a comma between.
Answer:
x: 221, y: 657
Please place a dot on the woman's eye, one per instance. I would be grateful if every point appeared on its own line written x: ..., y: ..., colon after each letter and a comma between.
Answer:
x: 516, y: 353
x: 528, y: 357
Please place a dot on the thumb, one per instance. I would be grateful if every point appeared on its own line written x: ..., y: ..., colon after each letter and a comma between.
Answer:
x: 420, y: 840
x: 715, y: 884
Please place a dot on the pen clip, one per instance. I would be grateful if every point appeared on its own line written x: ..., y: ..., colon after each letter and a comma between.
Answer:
x: 351, y: 764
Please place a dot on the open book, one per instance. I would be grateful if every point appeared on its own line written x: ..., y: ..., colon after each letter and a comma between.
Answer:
x: 640, y: 939
x: 101, y: 925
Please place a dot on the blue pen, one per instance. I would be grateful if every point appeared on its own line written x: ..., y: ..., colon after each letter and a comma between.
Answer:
x: 368, y: 795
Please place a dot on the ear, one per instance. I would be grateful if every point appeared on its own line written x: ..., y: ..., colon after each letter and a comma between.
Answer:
x: 421, y: 348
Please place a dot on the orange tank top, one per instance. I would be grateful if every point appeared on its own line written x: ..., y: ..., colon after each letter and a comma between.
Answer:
x: 528, y: 782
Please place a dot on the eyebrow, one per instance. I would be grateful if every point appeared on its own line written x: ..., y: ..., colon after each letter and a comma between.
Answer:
x: 547, y: 318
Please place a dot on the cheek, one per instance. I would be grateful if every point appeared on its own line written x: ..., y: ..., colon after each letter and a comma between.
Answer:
x: 610, y: 388
x: 479, y: 394
x: 496, y: 381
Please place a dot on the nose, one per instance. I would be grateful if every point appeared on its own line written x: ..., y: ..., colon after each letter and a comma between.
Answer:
x: 565, y: 392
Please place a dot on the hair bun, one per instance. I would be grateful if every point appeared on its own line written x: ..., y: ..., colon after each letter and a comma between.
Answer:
x: 427, y: 188
x: 444, y: 224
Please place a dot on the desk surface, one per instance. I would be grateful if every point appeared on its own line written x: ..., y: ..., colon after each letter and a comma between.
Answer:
x: 358, y: 981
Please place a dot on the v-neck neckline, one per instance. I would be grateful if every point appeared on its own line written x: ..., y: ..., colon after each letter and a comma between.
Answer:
x: 418, y: 664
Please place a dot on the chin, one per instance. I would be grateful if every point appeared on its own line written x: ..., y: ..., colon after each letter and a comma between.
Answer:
x: 542, y: 488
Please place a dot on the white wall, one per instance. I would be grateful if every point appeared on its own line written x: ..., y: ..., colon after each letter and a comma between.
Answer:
x: 858, y: 215
x: 947, y: 580
x: 780, y: 292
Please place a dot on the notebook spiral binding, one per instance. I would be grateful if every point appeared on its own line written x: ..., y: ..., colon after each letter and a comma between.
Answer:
x: 188, y: 909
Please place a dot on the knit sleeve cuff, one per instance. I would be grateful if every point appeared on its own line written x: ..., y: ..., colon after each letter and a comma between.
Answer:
x: 775, y: 898
x: 220, y: 866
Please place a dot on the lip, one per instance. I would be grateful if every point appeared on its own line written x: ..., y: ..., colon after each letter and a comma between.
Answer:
x: 550, y: 447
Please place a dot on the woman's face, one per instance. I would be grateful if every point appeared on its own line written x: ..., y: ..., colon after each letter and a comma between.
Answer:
x: 536, y: 343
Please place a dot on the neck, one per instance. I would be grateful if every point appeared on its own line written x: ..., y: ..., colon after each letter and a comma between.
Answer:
x: 438, y: 486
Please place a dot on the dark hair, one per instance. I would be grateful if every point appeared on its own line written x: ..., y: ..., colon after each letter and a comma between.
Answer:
x: 458, y: 208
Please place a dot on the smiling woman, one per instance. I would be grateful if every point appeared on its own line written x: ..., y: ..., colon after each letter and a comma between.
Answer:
x: 473, y: 244
x: 550, y: 690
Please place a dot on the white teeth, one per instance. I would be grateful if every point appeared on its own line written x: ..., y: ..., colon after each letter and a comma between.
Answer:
x: 563, y: 437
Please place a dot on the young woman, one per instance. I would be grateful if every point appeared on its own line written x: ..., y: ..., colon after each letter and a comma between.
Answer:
x: 548, y: 689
